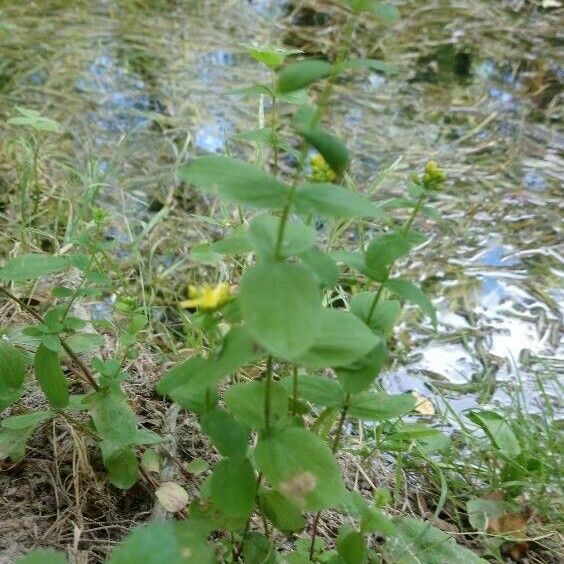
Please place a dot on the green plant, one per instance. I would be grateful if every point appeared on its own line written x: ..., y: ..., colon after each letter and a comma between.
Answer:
x: 318, y: 361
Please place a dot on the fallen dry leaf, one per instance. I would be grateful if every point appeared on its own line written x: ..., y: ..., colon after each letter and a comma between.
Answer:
x: 172, y: 496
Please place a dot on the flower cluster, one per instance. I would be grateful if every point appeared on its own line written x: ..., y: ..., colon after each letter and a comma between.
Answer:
x: 320, y: 170
x: 434, y: 176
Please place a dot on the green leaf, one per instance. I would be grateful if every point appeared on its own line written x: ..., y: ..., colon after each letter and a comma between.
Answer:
x: 13, y: 441
x: 343, y: 338
x: 351, y: 547
x: 272, y: 57
x: 51, y: 377
x: 334, y: 201
x: 388, y: 13
x: 84, y: 342
x: 228, y: 435
x: 12, y: 365
x: 323, y: 266
x: 27, y: 267
x: 281, y: 512
x: 234, y: 244
x: 235, y: 181
x: 190, y: 381
x: 43, y: 556
x: 382, y: 251
x: 113, y: 418
x: 317, y: 390
x: 197, y: 466
x: 164, y: 541
x: 254, y: 89
x: 408, y: 291
x: 301, y: 466
x: 34, y: 119
x: 147, y: 437
x: 27, y: 420
x: 263, y: 233
x: 296, y: 76
x: 233, y: 487
x: 385, y: 315
x: 331, y: 148
x: 121, y: 463
x: 380, y: 406
x: 12, y: 374
x: 246, y: 401
x: 258, y: 548
x: 498, y: 430
x: 360, y: 375
x: 418, y: 542
x: 281, y: 306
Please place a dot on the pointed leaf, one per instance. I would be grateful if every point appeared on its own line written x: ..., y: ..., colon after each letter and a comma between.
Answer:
x: 408, y: 291
x: 27, y: 267
x: 229, y: 436
x: 296, y: 76
x: 235, y: 181
x: 51, y: 377
x: 380, y: 406
x: 233, y: 487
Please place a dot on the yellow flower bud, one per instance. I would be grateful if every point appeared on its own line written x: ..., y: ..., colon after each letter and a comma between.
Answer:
x: 207, y: 297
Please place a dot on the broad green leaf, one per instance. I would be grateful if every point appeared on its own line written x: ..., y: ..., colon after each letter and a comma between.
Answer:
x: 26, y: 420
x: 235, y: 181
x: 317, y: 390
x: 151, y: 461
x: 351, y: 547
x: 418, y: 542
x: 334, y: 201
x: 233, y: 487
x: 380, y: 406
x: 84, y: 342
x: 360, y: 375
x: 147, y: 437
x: 296, y: 76
x: 234, y: 244
x: 323, y: 266
x: 113, y: 418
x: 281, y: 512
x: 331, y: 148
x: 51, y: 377
x: 121, y: 463
x: 258, y: 548
x: 43, y: 556
x: 301, y: 466
x: 197, y: 466
x: 498, y: 430
x: 12, y: 365
x: 12, y: 374
x: 425, y: 438
x: 246, y: 401
x: 408, y: 291
x: 382, y: 251
x: 164, y: 541
x: 263, y: 233
x: 195, y: 376
x: 354, y: 260
x: 27, y: 267
x: 229, y: 436
x: 281, y: 307
x: 384, y: 316
x: 342, y: 339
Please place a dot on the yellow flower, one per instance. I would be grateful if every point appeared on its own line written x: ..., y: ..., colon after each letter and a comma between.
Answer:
x: 207, y: 297
x: 433, y: 174
x: 320, y: 170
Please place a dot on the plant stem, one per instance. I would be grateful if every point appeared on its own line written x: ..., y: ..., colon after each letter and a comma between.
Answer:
x: 322, y: 104
x: 405, y: 232
x: 294, y: 390
x: 334, y: 449
x: 267, y: 394
x: 85, y: 373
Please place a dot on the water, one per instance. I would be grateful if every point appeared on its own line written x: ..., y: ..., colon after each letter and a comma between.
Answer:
x: 142, y: 88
